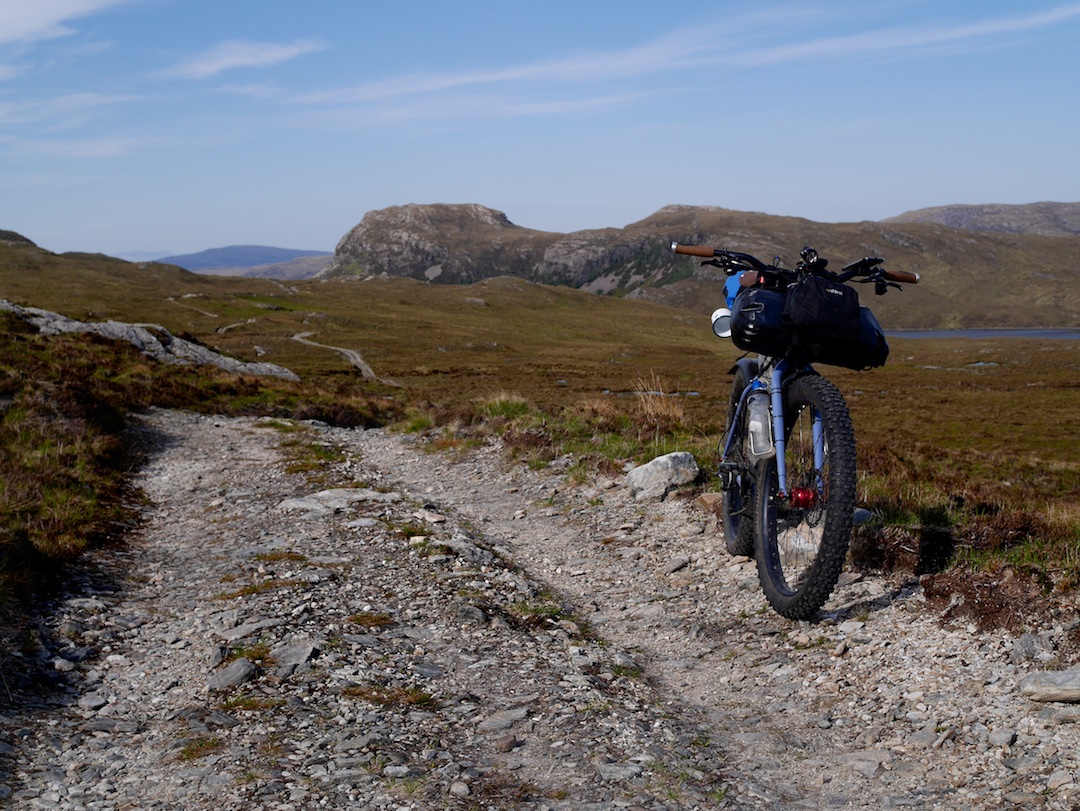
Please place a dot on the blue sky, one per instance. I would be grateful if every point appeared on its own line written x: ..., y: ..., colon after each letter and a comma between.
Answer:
x: 177, y: 125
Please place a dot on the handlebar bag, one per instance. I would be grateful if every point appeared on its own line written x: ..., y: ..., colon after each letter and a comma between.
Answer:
x: 866, y: 348
x: 817, y: 304
x: 757, y: 321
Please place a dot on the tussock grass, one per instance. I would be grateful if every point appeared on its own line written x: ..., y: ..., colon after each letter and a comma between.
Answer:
x: 976, y: 437
x: 260, y: 587
x: 201, y: 747
x: 657, y: 407
x: 507, y: 406
x: 281, y: 555
x: 64, y: 460
x: 259, y: 653
x: 251, y: 703
x: 371, y: 619
x: 384, y: 696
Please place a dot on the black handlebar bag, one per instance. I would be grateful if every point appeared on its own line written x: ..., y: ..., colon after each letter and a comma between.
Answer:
x: 828, y: 325
x: 822, y: 305
x: 757, y: 321
x: 819, y: 327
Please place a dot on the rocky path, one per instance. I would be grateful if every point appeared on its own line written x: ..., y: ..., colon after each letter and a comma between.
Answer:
x: 423, y: 632
x: 351, y: 355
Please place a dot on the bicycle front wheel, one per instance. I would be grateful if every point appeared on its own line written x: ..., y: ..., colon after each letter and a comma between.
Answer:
x: 802, y: 534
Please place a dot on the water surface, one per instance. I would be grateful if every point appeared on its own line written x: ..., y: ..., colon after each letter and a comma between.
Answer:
x: 1042, y: 334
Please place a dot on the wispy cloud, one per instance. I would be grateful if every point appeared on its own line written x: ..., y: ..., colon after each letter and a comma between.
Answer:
x: 79, y: 149
x: 468, y: 105
x: 63, y: 111
x: 252, y: 91
x: 234, y: 54
x: 660, y: 56
x: 29, y: 20
x: 88, y: 148
x: 727, y: 43
x: 898, y: 40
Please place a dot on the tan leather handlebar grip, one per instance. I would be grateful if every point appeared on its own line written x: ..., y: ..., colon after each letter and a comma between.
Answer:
x: 694, y: 250
x: 902, y: 276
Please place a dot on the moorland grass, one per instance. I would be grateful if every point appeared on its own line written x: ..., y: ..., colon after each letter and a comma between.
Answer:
x: 64, y: 459
x: 977, y: 437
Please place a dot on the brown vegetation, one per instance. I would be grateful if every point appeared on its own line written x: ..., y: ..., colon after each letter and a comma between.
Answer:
x: 970, y: 443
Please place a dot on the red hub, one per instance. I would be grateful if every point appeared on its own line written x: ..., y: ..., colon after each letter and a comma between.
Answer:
x: 804, y: 498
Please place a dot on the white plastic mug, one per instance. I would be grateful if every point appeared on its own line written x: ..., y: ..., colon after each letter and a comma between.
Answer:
x: 721, y: 322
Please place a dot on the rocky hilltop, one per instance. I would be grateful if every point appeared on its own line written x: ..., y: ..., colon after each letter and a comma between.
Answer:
x: 12, y: 238
x: 453, y: 244
x: 1046, y: 219
x: 461, y: 244
x: 963, y: 271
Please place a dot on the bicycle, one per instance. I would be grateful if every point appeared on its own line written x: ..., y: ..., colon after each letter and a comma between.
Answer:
x: 787, y: 454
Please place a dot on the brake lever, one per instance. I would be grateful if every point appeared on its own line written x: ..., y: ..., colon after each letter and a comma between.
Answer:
x: 729, y: 267
x: 881, y: 287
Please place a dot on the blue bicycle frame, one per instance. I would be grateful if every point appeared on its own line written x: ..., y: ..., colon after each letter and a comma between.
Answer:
x: 776, y: 394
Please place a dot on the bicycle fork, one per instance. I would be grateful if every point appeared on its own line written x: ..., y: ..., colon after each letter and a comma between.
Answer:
x: 800, y: 497
x: 804, y: 498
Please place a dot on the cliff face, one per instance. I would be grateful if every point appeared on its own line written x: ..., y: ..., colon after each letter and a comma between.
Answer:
x: 453, y: 244
x: 460, y: 244
x: 963, y: 270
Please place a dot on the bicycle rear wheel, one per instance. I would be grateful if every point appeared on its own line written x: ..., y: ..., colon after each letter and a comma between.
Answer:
x: 803, y: 534
x: 737, y: 495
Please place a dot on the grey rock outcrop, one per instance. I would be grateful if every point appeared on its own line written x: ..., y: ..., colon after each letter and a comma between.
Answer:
x: 239, y: 671
x: 150, y: 339
x: 451, y: 244
x: 455, y: 244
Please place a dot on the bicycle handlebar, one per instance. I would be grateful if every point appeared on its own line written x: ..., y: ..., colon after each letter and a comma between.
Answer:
x: 752, y: 263
x: 695, y: 250
x: 901, y: 276
x: 733, y: 259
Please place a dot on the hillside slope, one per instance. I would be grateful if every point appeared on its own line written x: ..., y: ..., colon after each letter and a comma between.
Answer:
x: 966, y: 274
x: 969, y: 278
x: 1044, y: 219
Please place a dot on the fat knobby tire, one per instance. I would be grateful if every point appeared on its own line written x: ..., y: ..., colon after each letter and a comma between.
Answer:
x: 802, y: 600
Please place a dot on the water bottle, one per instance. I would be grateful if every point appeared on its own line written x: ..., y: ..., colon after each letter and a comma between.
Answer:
x: 760, y: 426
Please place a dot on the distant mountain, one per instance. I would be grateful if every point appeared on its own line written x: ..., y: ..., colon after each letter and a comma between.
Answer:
x: 970, y: 278
x: 965, y: 274
x: 1046, y: 219
x: 303, y: 267
x: 237, y: 256
x: 142, y: 256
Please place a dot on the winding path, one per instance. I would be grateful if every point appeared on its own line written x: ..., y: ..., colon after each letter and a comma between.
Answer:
x: 351, y: 355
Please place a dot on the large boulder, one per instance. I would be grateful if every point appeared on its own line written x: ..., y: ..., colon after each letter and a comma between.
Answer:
x: 663, y: 474
x: 1052, y: 685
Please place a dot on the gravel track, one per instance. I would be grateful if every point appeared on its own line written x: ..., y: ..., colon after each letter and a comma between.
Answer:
x: 467, y: 633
